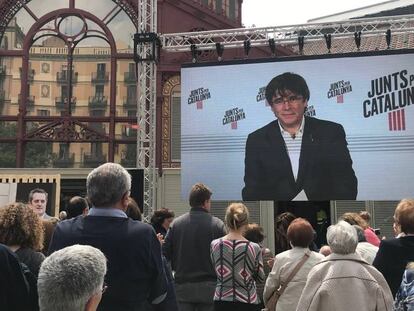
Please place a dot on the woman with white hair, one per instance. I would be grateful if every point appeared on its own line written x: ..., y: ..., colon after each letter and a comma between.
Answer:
x: 344, y: 281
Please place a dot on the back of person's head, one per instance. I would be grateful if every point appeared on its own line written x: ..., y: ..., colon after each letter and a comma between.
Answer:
x: 354, y: 219
x: 107, y: 184
x: 287, y: 81
x: 20, y: 225
x: 254, y: 233
x: 133, y: 210
x: 300, y: 233
x: 281, y: 225
x: 283, y: 221
x: 199, y: 194
x: 360, y: 233
x: 365, y: 216
x: 404, y: 215
x: 325, y: 250
x: 49, y: 226
x: 342, y: 238
x: 237, y: 216
x: 76, y: 206
x: 71, y: 278
x: 36, y: 190
x: 161, y: 215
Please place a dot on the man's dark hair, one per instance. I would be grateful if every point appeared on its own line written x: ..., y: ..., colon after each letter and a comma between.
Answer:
x: 287, y: 81
x: 254, y: 233
x: 76, y: 206
x: 133, y: 210
x: 199, y: 194
x: 160, y: 215
x: 37, y: 190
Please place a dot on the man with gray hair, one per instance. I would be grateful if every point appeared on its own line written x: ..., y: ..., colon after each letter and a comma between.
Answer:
x: 343, y: 280
x: 72, y: 279
x: 135, y: 271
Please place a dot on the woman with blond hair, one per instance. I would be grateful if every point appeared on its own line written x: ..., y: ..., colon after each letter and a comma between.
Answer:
x: 238, y: 264
x: 21, y: 230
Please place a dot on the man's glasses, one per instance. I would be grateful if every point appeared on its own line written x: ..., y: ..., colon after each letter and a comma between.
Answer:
x: 292, y: 99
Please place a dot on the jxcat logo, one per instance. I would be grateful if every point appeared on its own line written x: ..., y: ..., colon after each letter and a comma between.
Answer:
x: 198, y: 96
x: 232, y: 116
x: 338, y: 89
x: 392, y: 94
x: 261, y: 94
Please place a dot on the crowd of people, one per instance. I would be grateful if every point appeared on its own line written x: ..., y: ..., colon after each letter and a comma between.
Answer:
x: 103, y: 256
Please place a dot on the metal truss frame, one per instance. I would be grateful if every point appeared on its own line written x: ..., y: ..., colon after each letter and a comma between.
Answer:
x: 229, y: 38
x: 236, y: 38
x: 146, y: 112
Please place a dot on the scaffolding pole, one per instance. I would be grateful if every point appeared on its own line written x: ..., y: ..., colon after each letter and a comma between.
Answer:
x: 146, y: 106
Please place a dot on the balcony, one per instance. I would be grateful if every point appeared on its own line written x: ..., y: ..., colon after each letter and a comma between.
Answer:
x: 130, y: 102
x: 29, y: 102
x: 65, y: 160
x: 100, y: 77
x: 62, y: 77
x: 60, y: 102
x: 98, y: 102
x: 2, y: 96
x: 129, y: 77
x: 93, y: 160
x: 2, y: 71
x: 130, y: 131
x: 30, y: 74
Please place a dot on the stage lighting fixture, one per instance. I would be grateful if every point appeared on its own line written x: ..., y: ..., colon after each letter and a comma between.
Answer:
x: 328, y: 39
x: 357, y: 36
x: 193, y: 53
x: 147, y: 46
x: 388, y: 38
x: 301, y: 42
x: 272, y: 46
x: 247, y: 46
x: 219, y: 50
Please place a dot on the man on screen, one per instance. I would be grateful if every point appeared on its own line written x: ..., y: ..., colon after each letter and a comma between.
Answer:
x: 297, y: 157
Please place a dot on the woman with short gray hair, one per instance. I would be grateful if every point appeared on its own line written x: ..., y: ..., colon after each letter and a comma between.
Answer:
x: 72, y: 279
x: 343, y: 280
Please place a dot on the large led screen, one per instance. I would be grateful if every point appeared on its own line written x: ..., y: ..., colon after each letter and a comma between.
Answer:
x: 355, y: 140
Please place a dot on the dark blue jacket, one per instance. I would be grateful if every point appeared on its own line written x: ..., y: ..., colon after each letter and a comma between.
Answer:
x: 135, y: 270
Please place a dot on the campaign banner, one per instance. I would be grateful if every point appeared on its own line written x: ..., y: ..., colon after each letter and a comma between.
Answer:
x: 370, y: 95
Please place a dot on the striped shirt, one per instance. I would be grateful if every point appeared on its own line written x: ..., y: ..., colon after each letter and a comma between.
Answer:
x: 238, y: 265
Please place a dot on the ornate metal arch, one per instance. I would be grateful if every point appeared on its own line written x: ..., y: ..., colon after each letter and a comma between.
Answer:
x: 169, y: 84
x: 9, y: 8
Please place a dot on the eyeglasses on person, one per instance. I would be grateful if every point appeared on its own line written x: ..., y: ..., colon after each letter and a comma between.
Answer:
x: 292, y: 99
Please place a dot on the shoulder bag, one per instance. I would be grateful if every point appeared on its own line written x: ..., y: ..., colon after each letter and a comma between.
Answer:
x: 271, y: 303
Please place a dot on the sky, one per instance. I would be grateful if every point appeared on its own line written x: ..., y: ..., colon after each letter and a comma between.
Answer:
x: 263, y: 13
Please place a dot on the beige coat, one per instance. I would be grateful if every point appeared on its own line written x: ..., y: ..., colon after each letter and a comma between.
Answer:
x: 343, y: 283
x: 284, y: 263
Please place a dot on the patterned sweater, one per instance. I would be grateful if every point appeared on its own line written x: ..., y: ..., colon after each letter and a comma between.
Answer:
x: 238, y: 264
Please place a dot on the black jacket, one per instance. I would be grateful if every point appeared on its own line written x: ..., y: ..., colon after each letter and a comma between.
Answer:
x: 325, y: 166
x: 392, y: 258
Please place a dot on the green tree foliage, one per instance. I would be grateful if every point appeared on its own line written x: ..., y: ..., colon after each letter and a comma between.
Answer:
x: 37, y: 154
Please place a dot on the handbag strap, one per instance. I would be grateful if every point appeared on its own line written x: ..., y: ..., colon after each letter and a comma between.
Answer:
x: 293, y: 273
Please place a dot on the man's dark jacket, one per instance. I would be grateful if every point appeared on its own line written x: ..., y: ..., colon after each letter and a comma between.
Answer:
x: 135, y: 270
x: 325, y: 166
x: 392, y: 257
x: 187, y: 245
